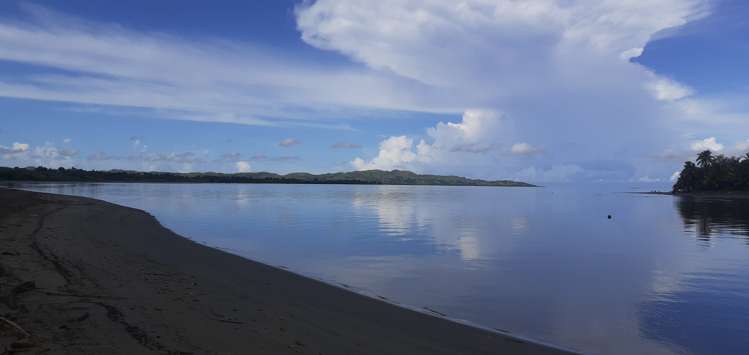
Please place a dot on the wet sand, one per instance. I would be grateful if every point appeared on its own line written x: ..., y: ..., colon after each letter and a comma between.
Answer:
x: 83, y: 276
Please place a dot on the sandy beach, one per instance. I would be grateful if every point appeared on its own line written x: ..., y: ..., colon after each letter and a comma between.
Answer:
x: 83, y: 276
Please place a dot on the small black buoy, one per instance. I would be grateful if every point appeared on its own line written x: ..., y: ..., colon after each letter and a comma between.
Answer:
x: 609, y: 216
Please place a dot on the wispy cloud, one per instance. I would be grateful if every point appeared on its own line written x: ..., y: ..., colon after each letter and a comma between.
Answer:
x: 709, y: 143
x: 288, y: 142
x: 282, y: 158
x: 524, y: 149
x: 345, y: 145
x: 202, y: 79
x: 45, y: 155
x: 15, y: 148
x: 558, y: 74
x: 243, y: 166
x: 234, y: 157
x: 179, y: 158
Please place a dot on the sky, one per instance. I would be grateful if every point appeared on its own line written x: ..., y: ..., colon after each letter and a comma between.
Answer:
x: 539, y: 90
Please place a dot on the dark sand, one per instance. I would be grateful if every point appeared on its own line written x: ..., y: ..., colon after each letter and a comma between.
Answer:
x: 83, y: 276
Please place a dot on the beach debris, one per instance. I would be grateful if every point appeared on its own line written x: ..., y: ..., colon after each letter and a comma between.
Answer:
x: 23, y: 338
x: 67, y: 294
x: 13, y: 325
x: 515, y: 340
x: 435, y: 311
x: 609, y: 216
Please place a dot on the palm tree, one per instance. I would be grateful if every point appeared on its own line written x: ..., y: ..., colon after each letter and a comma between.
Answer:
x: 688, y: 178
x: 705, y: 158
x: 743, y: 173
x: 714, y: 173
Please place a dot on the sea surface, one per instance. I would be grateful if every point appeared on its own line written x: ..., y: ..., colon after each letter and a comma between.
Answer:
x: 664, y: 275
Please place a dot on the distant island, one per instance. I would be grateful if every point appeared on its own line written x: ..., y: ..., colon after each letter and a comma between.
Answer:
x: 714, y: 173
x: 366, y: 177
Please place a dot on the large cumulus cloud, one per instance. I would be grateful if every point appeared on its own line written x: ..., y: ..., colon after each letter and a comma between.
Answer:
x: 559, y: 72
x: 535, y: 88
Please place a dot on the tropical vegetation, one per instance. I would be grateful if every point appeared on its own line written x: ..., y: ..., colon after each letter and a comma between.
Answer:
x: 712, y: 172
x: 367, y: 177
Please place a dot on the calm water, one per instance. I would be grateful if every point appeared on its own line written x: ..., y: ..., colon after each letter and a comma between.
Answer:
x: 665, y: 275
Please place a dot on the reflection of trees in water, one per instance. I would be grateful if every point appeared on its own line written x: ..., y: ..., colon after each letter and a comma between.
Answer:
x: 712, y: 216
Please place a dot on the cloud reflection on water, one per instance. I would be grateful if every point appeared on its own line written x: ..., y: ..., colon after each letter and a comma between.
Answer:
x: 543, y: 263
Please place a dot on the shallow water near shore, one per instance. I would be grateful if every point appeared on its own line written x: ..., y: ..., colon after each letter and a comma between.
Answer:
x: 665, y: 274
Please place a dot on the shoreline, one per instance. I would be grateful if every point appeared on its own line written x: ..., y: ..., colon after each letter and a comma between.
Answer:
x: 365, y: 177
x: 8, y: 183
x: 701, y: 194
x: 83, y: 275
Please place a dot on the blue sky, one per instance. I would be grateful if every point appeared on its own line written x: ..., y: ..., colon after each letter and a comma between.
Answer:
x: 539, y: 91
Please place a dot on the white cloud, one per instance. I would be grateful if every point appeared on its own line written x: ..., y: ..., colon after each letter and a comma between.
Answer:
x: 137, y: 145
x: 181, y: 161
x: 707, y: 144
x: 243, y: 166
x: 742, y: 147
x: 478, y: 128
x: 524, y: 149
x: 553, y: 68
x: 675, y: 176
x: 15, y: 148
x: 180, y: 158
x: 20, y: 147
x: 482, y: 40
x: 288, y: 142
x: 446, y: 144
x: 44, y: 155
x: 67, y: 140
x: 632, y: 53
x: 665, y: 89
x: 395, y: 153
x: 422, y: 56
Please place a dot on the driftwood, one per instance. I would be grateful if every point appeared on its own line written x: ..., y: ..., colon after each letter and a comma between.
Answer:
x: 15, y: 326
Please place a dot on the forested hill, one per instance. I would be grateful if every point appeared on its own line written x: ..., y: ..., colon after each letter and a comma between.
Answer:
x: 714, y: 173
x: 367, y: 177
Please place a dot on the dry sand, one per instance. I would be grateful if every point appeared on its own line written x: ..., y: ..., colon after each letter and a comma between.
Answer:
x: 83, y: 276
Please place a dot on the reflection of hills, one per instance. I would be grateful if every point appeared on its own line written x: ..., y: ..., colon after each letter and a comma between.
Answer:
x: 709, y: 217
x: 444, y: 219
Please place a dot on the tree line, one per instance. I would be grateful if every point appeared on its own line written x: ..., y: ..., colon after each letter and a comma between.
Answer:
x: 367, y: 177
x: 714, y: 173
